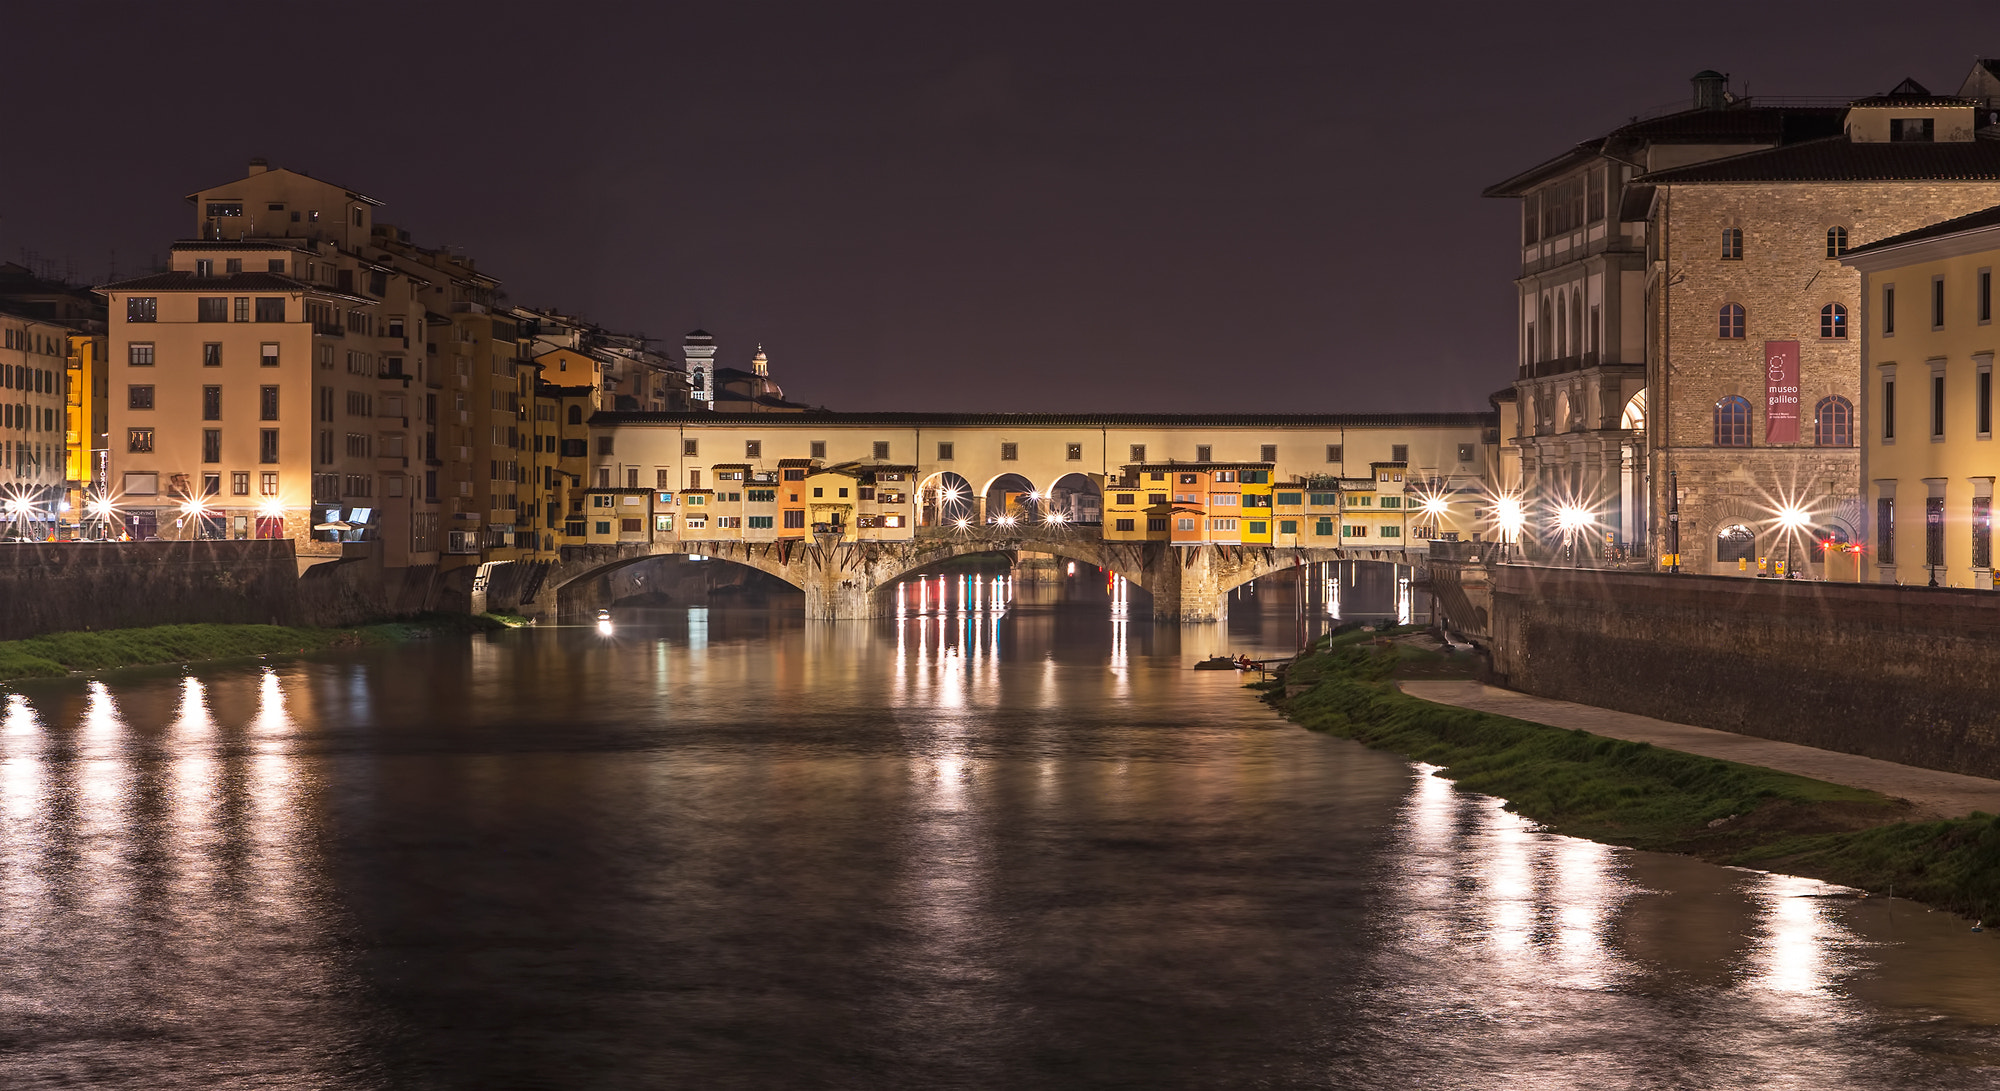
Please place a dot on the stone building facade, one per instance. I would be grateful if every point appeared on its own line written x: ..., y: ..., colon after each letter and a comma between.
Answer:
x: 1579, y: 405
x: 1745, y: 254
x: 1657, y: 262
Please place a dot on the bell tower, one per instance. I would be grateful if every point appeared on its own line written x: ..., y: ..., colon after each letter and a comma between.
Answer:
x: 699, y: 349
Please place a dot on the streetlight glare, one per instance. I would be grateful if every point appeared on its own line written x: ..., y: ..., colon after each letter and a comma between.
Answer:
x: 1794, y: 517
x: 1571, y: 517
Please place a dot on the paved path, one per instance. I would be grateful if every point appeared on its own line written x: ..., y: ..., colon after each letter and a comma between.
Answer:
x: 1935, y: 794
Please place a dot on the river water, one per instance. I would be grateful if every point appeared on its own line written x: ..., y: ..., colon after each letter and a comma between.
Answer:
x: 1018, y: 844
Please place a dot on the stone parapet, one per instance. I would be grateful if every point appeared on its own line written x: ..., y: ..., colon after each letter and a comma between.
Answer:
x: 1905, y: 674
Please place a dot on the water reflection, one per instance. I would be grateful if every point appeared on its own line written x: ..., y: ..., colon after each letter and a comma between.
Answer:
x: 1005, y: 838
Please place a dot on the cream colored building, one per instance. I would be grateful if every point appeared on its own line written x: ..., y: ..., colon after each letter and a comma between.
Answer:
x: 270, y: 382
x: 34, y: 374
x: 1928, y: 459
x: 970, y: 462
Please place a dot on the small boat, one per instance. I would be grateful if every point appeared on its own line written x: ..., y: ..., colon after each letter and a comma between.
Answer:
x: 1216, y: 663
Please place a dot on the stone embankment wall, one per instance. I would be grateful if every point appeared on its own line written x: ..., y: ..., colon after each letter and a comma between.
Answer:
x: 1906, y: 674
x: 62, y: 586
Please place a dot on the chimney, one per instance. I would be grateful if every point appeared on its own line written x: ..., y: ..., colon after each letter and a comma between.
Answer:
x: 259, y: 165
x: 1711, y: 89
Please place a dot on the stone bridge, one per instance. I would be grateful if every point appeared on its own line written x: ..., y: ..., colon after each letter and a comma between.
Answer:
x: 843, y: 580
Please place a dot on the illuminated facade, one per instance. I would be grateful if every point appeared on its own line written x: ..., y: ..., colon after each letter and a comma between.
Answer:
x: 1925, y: 425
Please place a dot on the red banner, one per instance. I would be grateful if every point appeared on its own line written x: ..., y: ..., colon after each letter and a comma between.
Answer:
x: 1781, y: 392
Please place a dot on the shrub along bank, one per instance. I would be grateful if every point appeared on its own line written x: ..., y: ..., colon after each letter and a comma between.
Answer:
x: 58, y: 654
x: 1636, y: 794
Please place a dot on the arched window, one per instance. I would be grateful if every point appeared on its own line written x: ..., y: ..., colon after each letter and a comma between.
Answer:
x: 1732, y: 321
x: 1833, y: 422
x: 1548, y: 327
x: 1732, y: 244
x: 576, y: 414
x: 1732, y: 422
x: 1735, y: 543
x: 1577, y: 347
x: 1836, y: 241
x: 1562, y: 326
x: 1833, y: 321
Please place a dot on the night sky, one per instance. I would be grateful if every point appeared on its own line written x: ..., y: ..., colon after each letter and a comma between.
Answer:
x: 935, y: 206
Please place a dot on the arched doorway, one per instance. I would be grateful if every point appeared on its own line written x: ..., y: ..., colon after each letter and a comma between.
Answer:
x: 1078, y: 498
x: 1011, y: 496
x: 1734, y: 543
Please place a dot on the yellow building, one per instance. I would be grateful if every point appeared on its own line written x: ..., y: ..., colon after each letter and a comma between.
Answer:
x: 1372, y: 508
x: 1925, y: 424
x: 87, y: 413
x: 1258, y: 518
x: 617, y: 516
x: 1136, y: 508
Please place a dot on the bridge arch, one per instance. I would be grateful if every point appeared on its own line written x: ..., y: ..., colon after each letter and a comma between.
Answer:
x: 846, y: 579
x: 1078, y: 497
x: 943, y: 498
x: 999, y: 485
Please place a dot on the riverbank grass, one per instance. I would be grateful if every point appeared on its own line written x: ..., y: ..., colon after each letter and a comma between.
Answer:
x: 56, y: 654
x: 1643, y: 796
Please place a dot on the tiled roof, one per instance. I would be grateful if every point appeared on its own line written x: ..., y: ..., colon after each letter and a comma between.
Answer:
x: 1838, y: 159
x: 1985, y: 217
x: 237, y: 244
x: 179, y: 281
x: 1750, y: 124
x: 822, y: 417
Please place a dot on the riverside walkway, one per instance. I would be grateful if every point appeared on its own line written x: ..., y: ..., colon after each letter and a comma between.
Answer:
x: 1934, y: 794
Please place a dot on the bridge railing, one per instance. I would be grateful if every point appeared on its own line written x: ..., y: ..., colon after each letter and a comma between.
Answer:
x: 1020, y: 532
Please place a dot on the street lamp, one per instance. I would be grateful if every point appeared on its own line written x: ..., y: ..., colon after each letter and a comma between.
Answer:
x: 1507, y: 512
x: 1571, y: 519
x: 1793, y: 519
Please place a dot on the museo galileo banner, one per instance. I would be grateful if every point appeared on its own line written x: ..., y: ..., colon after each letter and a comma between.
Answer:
x: 1781, y: 392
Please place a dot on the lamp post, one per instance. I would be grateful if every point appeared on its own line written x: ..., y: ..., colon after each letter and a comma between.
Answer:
x: 1572, y: 520
x: 1793, y: 519
x: 1507, y: 513
x: 1674, y: 520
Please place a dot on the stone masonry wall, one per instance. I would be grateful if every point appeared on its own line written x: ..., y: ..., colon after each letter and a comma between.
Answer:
x: 1782, y: 281
x: 50, y: 587
x: 1906, y: 674
x: 59, y: 586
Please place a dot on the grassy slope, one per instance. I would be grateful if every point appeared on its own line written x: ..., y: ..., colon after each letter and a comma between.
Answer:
x: 58, y: 654
x: 1647, y: 797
